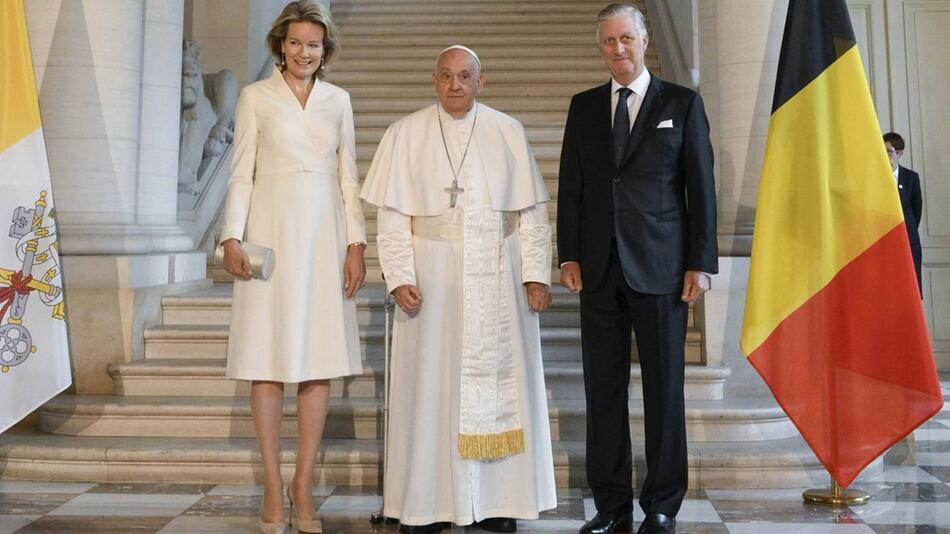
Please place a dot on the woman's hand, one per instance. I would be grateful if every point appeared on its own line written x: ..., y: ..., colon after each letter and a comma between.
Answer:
x: 236, y: 261
x: 354, y: 270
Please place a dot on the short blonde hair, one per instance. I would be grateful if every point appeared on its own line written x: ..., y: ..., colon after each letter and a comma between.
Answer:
x: 304, y: 11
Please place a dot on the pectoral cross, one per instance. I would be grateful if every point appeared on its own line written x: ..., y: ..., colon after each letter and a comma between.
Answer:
x: 454, y: 192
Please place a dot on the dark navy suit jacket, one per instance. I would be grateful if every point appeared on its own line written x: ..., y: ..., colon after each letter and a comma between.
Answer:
x: 659, y: 204
x: 908, y: 183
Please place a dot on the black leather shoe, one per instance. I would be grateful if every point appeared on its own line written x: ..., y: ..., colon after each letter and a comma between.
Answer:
x: 423, y: 529
x: 608, y: 524
x: 498, y: 524
x: 657, y: 523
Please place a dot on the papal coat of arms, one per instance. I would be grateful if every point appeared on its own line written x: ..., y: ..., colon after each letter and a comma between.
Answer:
x: 39, y: 273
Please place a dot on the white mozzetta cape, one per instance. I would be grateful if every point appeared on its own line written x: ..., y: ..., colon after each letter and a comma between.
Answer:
x: 410, y: 172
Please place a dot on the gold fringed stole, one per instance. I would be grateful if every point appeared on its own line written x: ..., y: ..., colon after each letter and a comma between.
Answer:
x: 488, y: 395
x: 491, y: 446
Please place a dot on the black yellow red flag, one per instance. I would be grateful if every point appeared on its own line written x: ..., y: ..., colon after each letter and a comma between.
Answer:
x: 833, y: 319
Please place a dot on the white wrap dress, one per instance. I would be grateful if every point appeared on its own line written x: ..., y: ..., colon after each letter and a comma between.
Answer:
x: 294, y: 188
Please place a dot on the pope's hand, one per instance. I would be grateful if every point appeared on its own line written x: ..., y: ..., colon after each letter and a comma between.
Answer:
x: 236, y: 261
x: 354, y: 270
x: 539, y: 296
x: 409, y: 298
x: 571, y: 276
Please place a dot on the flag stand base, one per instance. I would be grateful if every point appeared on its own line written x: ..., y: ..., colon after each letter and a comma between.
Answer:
x: 836, y: 496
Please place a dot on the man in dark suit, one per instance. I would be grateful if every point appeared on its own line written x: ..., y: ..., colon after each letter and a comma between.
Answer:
x: 636, y: 229
x: 908, y: 187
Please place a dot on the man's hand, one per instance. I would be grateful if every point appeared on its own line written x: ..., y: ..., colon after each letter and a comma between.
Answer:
x: 539, y: 296
x: 236, y: 261
x: 695, y: 284
x: 409, y: 298
x: 571, y: 276
x: 354, y: 270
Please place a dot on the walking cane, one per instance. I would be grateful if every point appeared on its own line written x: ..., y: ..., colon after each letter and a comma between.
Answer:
x: 379, y: 517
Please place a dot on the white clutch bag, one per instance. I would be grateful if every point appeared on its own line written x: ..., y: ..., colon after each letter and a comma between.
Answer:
x: 262, y: 259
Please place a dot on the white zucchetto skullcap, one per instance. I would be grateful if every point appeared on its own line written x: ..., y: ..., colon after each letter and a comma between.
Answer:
x: 465, y: 49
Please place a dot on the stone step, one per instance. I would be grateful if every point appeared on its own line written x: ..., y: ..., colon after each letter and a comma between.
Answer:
x: 558, y: 343
x: 212, y: 306
x: 455, y: 29
x: 490, y: 68
x: 438, y: 24
x: 205, y: 377
x: 32, y: 455
x: 353, y: 418
x: 342, y: 10
x: 424, y: 89
x: 488, y: 54
x: 595, y: 75
x: 483, y: 3
x: 470, y: 37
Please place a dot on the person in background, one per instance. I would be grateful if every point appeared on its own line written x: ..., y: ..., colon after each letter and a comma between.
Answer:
x: 908, y: 187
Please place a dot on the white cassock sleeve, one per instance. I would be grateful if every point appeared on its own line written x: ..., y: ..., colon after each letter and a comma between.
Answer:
x: 394, y: 238
x: 237, y: 205
x: 535, y: 233
x: 349, y: 179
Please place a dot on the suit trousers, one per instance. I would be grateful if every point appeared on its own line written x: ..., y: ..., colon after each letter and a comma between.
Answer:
x: 659, y: 323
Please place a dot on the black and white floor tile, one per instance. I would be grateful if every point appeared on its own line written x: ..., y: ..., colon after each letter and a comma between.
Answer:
x: 905, y: 499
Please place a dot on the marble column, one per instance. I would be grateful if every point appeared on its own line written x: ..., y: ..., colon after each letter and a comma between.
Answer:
x: 107, y: 74
x: 739, y: 44
x: 160, y: 113
x: 739, y: 47
x: 90, y: 56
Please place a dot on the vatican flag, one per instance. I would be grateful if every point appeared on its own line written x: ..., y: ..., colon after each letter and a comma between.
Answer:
x: 34, y: 353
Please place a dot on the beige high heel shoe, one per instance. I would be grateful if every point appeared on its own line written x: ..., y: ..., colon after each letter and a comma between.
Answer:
x: 273, y: 528
x: 310, y: 526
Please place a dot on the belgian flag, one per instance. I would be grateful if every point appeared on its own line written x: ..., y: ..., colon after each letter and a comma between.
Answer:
x: 833, y: 322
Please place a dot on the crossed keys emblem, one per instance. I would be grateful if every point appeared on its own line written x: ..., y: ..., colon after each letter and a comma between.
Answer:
x: 36, y: 248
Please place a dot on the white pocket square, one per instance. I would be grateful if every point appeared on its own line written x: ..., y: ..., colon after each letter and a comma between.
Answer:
x: 668, y: 123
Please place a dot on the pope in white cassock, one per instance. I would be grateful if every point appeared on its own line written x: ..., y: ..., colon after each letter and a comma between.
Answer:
x: 465, y: 246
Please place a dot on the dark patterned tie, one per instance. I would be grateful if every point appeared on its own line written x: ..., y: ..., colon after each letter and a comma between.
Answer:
x: 621, y: 125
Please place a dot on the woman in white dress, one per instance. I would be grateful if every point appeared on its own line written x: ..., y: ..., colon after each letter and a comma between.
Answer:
x: 294, y: 188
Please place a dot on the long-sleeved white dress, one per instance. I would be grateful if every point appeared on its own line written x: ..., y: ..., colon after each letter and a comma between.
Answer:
x: 294, y: 188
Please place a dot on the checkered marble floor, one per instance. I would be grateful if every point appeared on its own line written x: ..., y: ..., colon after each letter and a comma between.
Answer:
x: 905, y: 499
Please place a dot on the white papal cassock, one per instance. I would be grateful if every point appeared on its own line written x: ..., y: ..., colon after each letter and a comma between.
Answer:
x: 422, y: 241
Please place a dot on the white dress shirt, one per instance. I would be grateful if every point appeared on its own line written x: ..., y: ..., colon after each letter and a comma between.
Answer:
x: 634, y: 100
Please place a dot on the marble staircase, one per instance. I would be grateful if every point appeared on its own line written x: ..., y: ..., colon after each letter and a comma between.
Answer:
x: 174, y: 417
